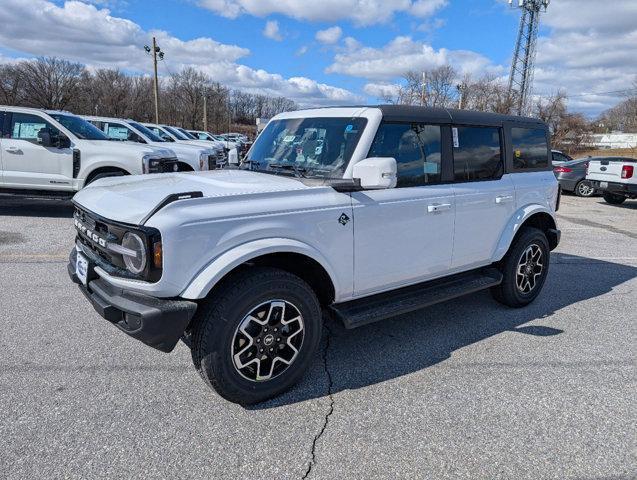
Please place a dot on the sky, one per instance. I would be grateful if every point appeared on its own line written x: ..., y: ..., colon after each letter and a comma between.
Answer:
x: 329, y: 52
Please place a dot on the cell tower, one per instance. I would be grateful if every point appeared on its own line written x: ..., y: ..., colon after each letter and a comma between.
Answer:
x: 521, y: 78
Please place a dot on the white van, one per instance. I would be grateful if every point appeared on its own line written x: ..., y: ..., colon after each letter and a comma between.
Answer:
x: 58, y: 152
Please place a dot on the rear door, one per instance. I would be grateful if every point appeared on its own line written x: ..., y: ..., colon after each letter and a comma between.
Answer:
x: 485, y: 196
x: 404, y: 235
x: 26, y: 163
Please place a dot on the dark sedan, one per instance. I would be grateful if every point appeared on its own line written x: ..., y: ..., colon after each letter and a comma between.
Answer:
x: 571, y: 176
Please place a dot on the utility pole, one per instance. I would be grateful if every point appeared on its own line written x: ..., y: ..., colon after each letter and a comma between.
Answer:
x: 522, y: 66
x: 156, y: 52
x: 422, y: 92
x: 205, y: 113
x: 461, y: 89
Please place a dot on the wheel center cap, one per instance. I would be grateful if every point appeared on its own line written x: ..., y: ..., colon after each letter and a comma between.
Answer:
x: 268, y: 340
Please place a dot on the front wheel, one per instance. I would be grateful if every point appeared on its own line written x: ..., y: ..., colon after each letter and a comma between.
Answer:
x: 256, y: 334
x: 524, y: 269
x: 614, y: 199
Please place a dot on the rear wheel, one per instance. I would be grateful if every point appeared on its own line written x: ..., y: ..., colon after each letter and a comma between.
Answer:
x: 256, y: 334
x: 614, y: 199
x: 524, y: 269
x: 584, y: 189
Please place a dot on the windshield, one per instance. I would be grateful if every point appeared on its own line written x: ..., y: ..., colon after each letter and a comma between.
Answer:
x: 147, y: 132
x: 80, y: 127
x: 176, y: 133
x: 187, y: 134
x: 318, y: 147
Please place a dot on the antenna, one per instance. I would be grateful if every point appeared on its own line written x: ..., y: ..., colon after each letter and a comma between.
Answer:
x: 523, y: 64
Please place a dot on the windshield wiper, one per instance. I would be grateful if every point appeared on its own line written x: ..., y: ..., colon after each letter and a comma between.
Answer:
x: 298, y: 171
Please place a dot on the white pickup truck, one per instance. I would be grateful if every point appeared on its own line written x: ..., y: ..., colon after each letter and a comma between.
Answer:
x: 614, y: 177
x: 191, y: 157
x: 364, y: 212
x: 58, y: 153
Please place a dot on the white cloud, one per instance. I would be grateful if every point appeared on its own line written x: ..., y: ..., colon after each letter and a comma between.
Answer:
x: 361, y: 12
x: 329, y: 36
x: 401, y: 55
x: 590, y: 49
x: 272, y: 30
x: 382, y: 90
x: 85, y: 33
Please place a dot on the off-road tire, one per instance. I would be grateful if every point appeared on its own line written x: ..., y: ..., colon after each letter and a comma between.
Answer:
x: 216, y: 321
x: 507, y: 292
x: 614, y: 199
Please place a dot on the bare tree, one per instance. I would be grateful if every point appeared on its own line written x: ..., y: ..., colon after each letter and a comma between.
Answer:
x: 49, y: 82
x: 569, y: 131
x: 10, y: 85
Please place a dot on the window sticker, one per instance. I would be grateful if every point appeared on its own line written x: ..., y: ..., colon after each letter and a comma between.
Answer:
x: 27, y: 130
x: 456, y: 141
x: 289, y: 138
x: 349, y: 128
x: 518, y: 153
x: 431, y: 168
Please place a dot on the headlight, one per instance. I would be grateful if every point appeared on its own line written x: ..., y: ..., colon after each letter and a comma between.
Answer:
x: 151, y: 164
x: 134, y: 243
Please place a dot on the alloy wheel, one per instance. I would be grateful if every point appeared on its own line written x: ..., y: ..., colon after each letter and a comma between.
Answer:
x: 530, y: 268
x: 268, y: 340
x: 585, y: 189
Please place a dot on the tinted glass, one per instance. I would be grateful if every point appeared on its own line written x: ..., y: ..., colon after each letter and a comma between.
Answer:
x: 530, y: 148
x: 558, y: 157
x: 415, y: 147
x: 477, y: 153
x: 152, y: 136
x: 320, y: 147
x: 80, y: 127
x: 176, y: 133
x: 25, y: 126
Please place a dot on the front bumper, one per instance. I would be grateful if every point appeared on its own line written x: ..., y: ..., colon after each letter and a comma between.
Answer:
x: 157, y: 322
x: 628, y: 189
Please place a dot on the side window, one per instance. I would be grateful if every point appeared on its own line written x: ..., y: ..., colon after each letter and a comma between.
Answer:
x: 25, y: 126
x: 120, y: 132
x: 416, y: 148
x: 558, y: 157
x: 477, y: 153
x: 530, y: 148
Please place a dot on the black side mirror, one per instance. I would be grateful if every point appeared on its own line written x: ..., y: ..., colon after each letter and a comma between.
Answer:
x: 63, y: 141
x: 44, y: 137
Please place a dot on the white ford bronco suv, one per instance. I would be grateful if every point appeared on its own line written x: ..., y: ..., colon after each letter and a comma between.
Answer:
x: 56, y: 153
x: 364, y: 212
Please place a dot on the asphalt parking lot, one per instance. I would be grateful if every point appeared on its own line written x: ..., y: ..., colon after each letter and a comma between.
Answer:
x: 467, y: 389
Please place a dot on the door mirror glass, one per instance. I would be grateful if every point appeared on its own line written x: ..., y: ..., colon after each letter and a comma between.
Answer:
x: 376, y: 173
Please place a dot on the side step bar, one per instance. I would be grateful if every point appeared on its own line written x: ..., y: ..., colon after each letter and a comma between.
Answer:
x: 356, y: 313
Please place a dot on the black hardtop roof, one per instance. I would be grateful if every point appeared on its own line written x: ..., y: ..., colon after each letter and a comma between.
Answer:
x: 415, y: 113
x: 450, y: 115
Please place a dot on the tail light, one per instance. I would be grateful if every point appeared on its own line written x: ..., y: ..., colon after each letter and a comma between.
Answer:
x: 627, y: 171
x: 562, y: 170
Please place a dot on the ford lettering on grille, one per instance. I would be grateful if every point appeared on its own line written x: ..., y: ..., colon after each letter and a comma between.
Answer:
x: 89, y: 234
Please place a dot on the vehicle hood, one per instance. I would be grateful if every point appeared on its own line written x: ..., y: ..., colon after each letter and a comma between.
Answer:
x: 132, y: 199
x: 114, y: 147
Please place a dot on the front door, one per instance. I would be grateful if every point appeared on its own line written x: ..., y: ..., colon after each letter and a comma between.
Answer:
x: 404, y: 235
x: 29, y: 165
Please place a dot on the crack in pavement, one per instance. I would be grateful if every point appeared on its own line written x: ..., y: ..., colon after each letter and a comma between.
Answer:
x: 330, y: 410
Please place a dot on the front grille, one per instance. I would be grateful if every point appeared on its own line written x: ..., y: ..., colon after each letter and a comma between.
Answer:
x: 217, y: 160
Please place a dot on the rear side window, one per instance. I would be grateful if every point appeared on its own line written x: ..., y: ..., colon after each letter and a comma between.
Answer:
x: 530, y: 148
x: 416, y: 148
x: 477, y: 153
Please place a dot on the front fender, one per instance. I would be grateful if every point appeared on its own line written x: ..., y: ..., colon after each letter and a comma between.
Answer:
x: 516, y: 221
x: 201, y: 285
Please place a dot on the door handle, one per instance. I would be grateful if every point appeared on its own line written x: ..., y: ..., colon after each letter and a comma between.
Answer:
x: 12, y: 149
x: 503, y: 198
x: 438, y: 207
